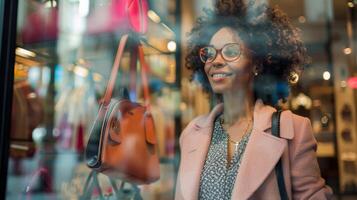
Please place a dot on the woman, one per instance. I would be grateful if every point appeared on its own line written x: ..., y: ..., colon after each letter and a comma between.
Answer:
x: 245, y: 54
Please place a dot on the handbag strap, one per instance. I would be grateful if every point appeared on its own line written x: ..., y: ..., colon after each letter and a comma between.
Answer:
x: 138, y: 50
x: 279, y: 168
x: 275, y: 126
x: 88, y: 186
x: 136, y: 53
x: 113, y: 76
x: 132, y: 74
x: 92, y: 183
x: 144, y: 71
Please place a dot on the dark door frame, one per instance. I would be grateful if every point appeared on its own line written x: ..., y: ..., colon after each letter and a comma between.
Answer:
x: 8, y: 17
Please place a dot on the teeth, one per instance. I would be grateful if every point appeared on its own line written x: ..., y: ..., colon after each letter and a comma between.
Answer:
x: 219, y: 75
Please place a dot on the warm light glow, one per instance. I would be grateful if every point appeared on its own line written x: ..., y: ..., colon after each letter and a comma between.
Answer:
x: 80, y: 71
x: 302, y: 19
x: 301, y: 100
x: 19, y: 147
x: 171, y: 46
x: 349, y: 156
x: 183, y: 106
x: 97, y: 77
x: 347, y: 50
x: 24, y: 53
x: 32, y: 95
x: 81, y: 61
x: 326, y: 75
x: 153, y: 16
x: 343, y: 84
x: 350, y: 4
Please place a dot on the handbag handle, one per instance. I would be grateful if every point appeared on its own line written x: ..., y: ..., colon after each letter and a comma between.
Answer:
x: 144, y: 70
x: 132, y: 74
x: 113, y: 76
x: 279, y: 168
x: 92, y: 182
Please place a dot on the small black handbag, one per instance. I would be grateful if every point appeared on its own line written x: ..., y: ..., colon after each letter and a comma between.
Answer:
x: 275, y: 129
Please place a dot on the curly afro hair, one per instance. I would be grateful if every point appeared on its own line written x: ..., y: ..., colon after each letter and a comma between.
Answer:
x: 279, y: 54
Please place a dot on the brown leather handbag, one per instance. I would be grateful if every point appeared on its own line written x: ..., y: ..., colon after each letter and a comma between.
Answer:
x: 122, y: 141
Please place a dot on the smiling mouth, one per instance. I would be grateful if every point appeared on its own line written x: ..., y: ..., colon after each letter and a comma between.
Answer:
x: 221, y: 75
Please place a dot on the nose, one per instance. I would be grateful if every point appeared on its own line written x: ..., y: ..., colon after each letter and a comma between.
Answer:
x: 218, y: 61
x: 218, y: 64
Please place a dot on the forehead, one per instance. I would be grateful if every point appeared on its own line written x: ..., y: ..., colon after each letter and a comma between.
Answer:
x: 224, y: 36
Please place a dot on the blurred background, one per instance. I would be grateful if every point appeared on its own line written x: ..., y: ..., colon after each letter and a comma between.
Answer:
x: 63, y: 58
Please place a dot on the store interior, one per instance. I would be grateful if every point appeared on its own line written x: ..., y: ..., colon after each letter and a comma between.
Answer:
x: 64, y: 56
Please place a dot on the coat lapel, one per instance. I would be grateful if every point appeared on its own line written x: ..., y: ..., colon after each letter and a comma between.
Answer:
x: 263, y: 150
x: 260, y: 157
x: 194, y: 151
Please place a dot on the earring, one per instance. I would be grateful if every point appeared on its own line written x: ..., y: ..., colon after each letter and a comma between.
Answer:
x: 294, y: 77
x: 255, y: 71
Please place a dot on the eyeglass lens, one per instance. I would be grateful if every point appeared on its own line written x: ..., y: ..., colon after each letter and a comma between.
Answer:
x: 229, y: 52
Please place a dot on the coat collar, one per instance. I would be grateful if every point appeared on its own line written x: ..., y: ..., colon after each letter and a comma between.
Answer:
x: 262, y: 119
x: 261, y: 155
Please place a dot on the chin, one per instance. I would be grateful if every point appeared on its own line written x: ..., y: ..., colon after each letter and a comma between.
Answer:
x: 220, y: 89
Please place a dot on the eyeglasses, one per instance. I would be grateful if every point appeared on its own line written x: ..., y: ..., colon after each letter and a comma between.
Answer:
x: 229, y: 52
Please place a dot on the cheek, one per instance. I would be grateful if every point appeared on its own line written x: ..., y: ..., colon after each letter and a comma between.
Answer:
x: 206, y: 68
x: 242, y: 67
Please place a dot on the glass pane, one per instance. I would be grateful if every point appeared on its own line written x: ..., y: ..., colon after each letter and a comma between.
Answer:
x: 64, y: 57
x: 72, y: 137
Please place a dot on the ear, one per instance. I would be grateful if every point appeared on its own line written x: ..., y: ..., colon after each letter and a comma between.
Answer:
x: 256, y: 69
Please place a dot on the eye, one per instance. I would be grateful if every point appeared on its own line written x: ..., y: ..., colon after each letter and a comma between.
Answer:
x: 207, y: 54
x: 231, y: 51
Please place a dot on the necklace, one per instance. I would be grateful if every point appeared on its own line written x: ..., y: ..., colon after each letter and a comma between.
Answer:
x: 236, y: 143
x: 229, y: 141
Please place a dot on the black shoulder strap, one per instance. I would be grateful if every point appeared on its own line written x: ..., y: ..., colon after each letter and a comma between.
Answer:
x: 275, y: 129
x: 275, y: 123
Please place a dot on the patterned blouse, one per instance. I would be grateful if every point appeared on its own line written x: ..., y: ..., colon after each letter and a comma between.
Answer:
x: 217, y: 180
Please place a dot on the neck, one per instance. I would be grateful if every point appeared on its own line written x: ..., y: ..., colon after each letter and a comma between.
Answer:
x: 238, y: 106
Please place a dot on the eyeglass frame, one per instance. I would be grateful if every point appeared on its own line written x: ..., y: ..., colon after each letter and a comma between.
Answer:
x: 219, y: 51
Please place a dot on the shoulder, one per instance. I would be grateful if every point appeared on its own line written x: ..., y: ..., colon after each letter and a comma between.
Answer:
x: 303, y: 133
x: 201, y: 123
x: 193, y: 126
x: 301, y: 124
x: 291, y: 124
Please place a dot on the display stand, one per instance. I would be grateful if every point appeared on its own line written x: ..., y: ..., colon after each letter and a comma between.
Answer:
x: 92, y: 186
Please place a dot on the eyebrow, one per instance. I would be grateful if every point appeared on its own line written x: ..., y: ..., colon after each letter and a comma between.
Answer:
x: 210, y: 45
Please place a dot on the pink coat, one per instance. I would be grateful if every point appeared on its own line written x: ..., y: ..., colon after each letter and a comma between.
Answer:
x: 256, y: 178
